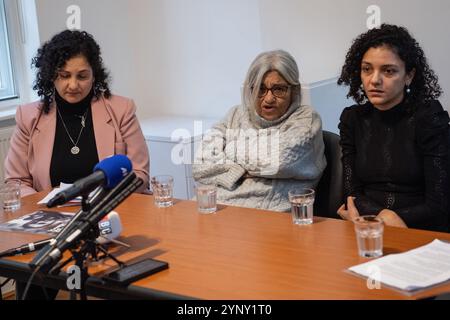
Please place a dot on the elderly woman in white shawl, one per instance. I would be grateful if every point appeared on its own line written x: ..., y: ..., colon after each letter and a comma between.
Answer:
x: 268, y: 145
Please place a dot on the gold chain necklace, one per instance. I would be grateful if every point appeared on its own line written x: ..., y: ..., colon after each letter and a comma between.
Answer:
x: 75, y: 149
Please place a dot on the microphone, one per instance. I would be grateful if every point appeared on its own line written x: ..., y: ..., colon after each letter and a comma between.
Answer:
x: 97, y: 198
x: 108, y: 172
x: 110, y: 228
x: 116, y: 196
x: 26, y: 248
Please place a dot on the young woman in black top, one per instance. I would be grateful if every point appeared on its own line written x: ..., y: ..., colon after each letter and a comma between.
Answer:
x: 395, y: 140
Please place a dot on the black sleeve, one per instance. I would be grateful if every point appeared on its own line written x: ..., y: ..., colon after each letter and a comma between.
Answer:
x: 352, y: 185
x: 432, y: 138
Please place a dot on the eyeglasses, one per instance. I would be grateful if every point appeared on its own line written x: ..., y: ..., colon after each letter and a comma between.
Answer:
x: 279, y: 91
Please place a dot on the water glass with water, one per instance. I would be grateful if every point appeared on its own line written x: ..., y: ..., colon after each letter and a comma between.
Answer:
x: 10, y: 196
x: 302, y: 201
x: 162, y: 187
x: 369, y: 236
x: 206, y: 198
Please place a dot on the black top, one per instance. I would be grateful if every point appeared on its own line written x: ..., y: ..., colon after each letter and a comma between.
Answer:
x: 65, y: 166
x: 398, y: 160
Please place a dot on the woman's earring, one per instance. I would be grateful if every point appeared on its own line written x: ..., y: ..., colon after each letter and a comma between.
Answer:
x: 97, y: 89
x: 408, y: 89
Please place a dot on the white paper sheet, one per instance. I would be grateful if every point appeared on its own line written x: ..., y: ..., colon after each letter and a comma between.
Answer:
x: 416, y: 269
x: 62, y: 186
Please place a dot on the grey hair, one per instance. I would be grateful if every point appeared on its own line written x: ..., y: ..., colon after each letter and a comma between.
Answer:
x: 280, y: 61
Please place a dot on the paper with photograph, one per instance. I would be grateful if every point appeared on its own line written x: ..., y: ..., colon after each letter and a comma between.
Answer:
x: 39, y: 222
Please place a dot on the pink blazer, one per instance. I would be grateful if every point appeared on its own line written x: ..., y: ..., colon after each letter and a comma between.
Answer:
x: 116, y: 130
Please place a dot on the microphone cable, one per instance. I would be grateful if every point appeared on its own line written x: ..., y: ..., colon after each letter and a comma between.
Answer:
x: 30, y: 280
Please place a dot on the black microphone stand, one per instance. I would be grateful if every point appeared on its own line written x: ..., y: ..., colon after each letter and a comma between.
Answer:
x: 86, y: 249
x: 85, y: 204
x: 89, y: 251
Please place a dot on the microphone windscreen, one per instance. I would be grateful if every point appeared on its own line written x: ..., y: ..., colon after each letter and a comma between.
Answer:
x: 110, y: 227
x: 115, y: 169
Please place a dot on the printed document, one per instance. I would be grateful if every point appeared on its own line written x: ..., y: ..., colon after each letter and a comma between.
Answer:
x: 416, y: 269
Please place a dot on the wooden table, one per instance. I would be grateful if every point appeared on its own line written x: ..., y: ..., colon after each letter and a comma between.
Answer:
x: 236, y: 253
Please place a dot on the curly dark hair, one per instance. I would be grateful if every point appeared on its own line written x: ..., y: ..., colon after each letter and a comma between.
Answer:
x: 424, y: 86
x: 54, y: 54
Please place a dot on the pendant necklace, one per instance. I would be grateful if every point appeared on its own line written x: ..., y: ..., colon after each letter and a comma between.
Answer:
x: 75, y: 149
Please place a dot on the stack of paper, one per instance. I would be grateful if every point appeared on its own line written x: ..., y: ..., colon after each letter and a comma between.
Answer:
x: 413, y: 270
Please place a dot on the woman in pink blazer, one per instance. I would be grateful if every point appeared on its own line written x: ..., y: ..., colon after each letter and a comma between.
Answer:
x: 76, y: 124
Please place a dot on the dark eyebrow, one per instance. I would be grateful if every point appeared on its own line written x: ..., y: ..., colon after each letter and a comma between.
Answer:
x: 81, y: 71
x: 383, y: 66
x: 390, y: 66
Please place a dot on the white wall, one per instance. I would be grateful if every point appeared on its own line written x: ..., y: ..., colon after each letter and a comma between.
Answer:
x: 189, y: 57
x: 319, y: 33
x: 108, y: 22
x: 197, y: 55
x: 177, y: 57
x: 429, y: 22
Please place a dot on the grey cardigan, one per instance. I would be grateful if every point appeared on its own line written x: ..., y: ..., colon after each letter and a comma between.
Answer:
x: 255, y: 162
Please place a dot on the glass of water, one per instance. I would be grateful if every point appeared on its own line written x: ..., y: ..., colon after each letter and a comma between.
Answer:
x: 302, y: 201
x: 162, y: 187
x: 206, y: 198
x: 10, y: 196
x: 369, y: 236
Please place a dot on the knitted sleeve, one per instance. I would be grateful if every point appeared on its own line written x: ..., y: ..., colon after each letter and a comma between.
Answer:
x: 212, y: 164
